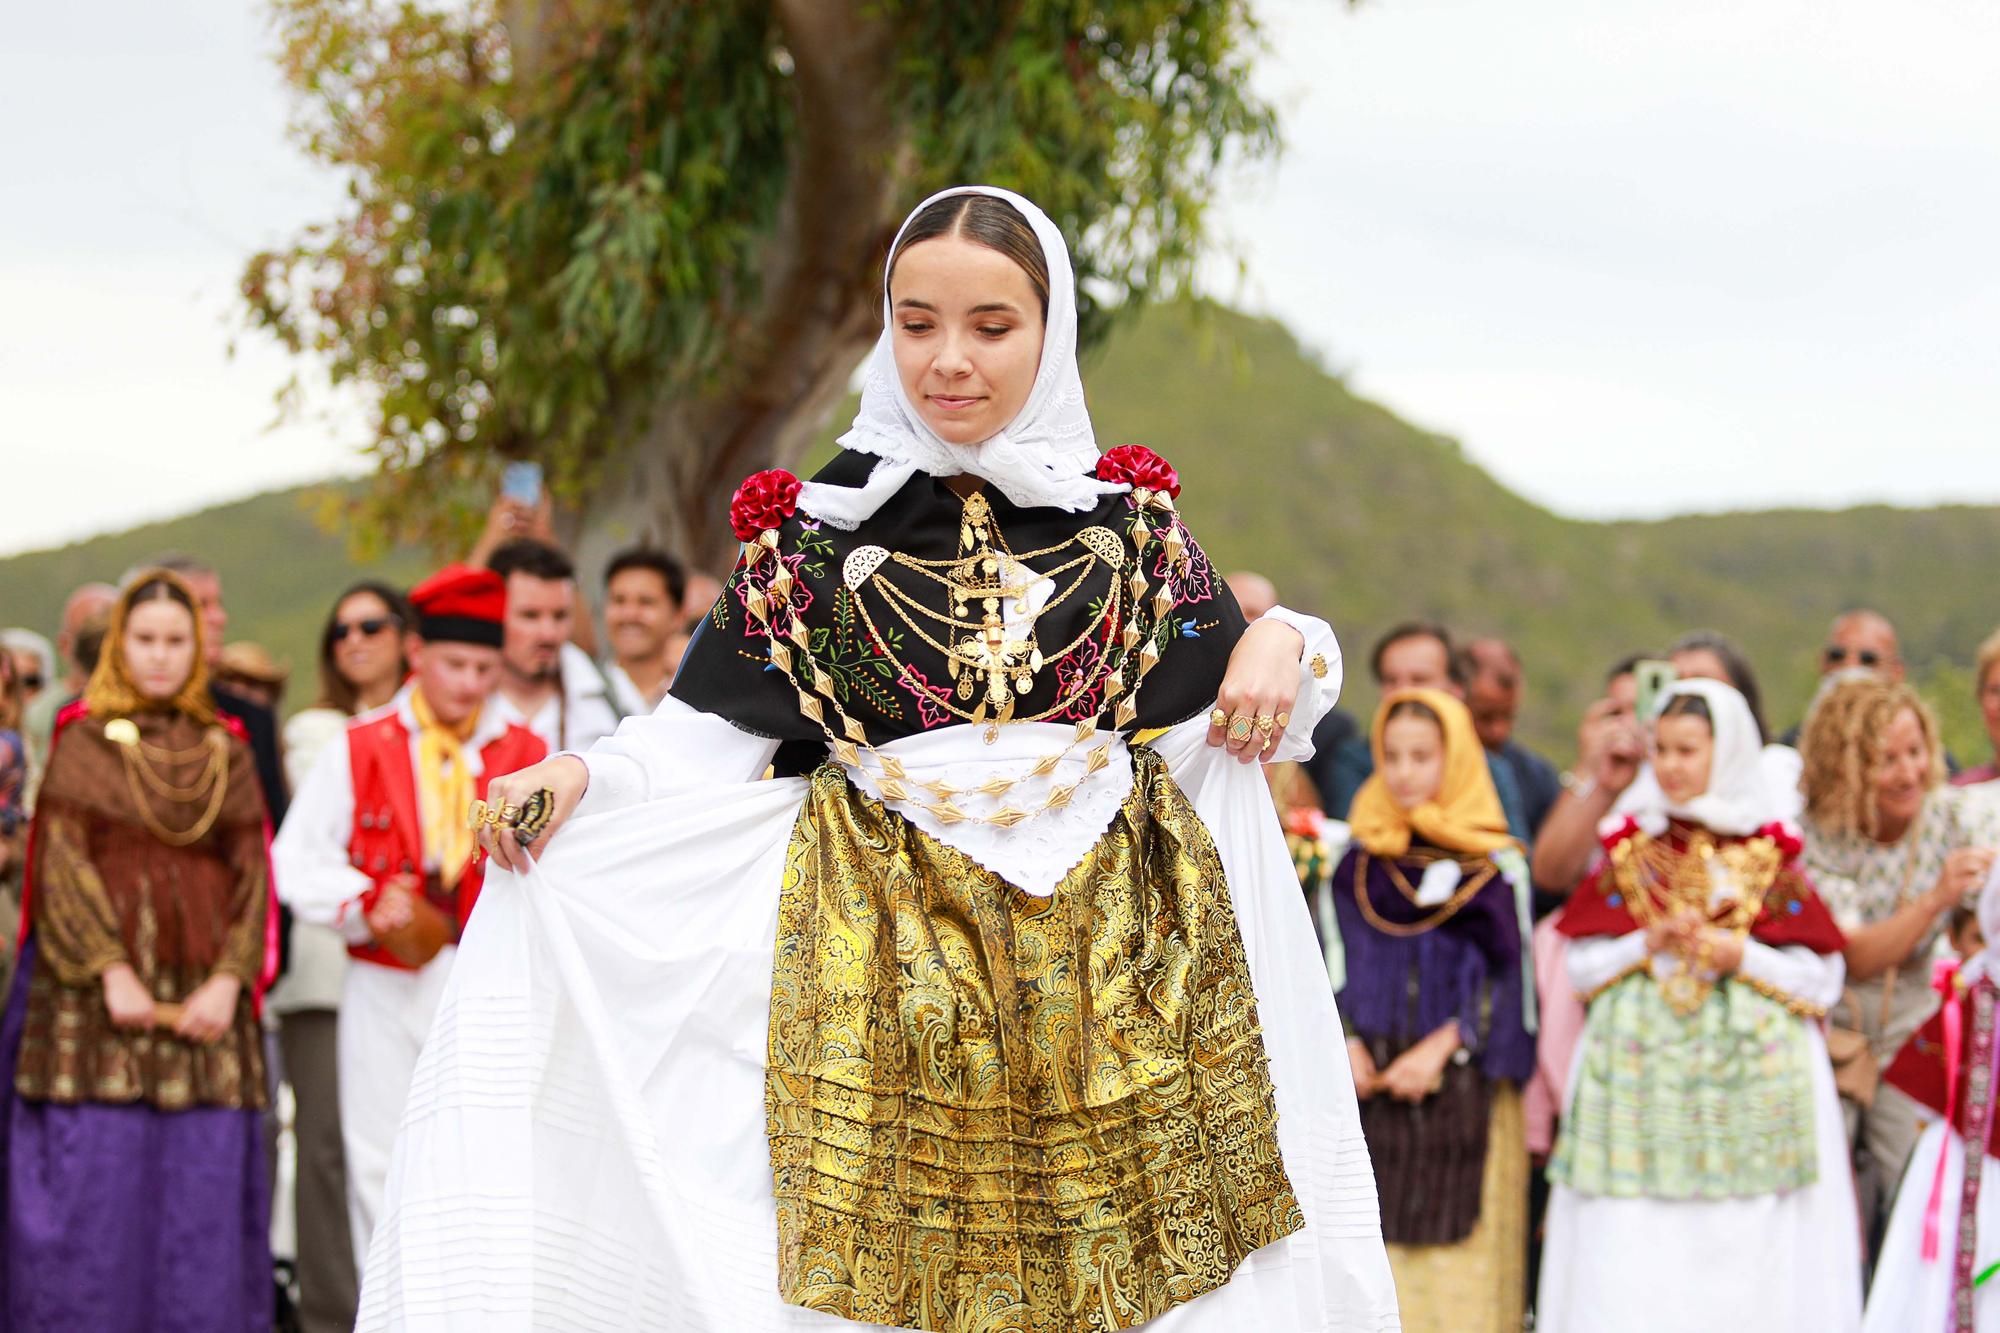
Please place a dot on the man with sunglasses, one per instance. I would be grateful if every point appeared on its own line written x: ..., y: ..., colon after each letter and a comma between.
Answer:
x: 1865, y: 639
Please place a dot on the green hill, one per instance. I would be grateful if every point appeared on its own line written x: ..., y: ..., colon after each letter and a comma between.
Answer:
x: 1357, y: 515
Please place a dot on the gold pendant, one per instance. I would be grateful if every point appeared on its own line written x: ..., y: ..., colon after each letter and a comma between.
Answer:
x: 1685, y: 991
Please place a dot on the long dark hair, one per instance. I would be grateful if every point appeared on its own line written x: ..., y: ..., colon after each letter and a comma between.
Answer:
x: 334, y: 690
x: 993, y: 223
x: 1735, y: 662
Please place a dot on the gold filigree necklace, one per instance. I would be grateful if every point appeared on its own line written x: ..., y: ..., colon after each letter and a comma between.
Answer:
x: 768, y: 597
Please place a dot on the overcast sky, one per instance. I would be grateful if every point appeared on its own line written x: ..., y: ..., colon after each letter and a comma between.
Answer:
x: 1638, y: 257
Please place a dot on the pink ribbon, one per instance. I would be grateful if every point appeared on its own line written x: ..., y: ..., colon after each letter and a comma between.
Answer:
x: 1944, y: 980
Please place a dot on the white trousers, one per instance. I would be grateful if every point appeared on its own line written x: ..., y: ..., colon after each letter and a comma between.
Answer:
x: 385, y: 1014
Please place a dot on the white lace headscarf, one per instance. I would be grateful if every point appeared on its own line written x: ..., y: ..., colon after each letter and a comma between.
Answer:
x: 1739, y: 798
x: 1045, y: 456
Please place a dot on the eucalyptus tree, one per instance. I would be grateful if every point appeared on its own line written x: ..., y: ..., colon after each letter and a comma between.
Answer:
x: 640, y: 241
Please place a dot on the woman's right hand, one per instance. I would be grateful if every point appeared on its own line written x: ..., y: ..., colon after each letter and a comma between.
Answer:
x: 565, y: 775
x: 1965, y: 871
x: 1366, y: 1077
x: 125, y: 999
x: 1611, y: 746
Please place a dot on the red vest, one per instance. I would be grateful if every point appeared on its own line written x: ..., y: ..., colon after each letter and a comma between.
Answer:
x: 388, y: 836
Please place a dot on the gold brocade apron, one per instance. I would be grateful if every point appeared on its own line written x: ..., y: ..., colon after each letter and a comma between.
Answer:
x: 992, y: 1112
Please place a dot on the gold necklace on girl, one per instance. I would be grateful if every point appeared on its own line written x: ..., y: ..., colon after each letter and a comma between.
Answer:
x: 141, y: 777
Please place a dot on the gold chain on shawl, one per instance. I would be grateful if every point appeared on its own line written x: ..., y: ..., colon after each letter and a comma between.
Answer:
x: 1467, y: 890
x: 1008, y: 662
x: 1659, y: 882
x: 140, y: 776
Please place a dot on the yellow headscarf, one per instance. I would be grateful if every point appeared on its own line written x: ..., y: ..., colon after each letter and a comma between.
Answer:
x: 444, y: 787
x: 1465, y: 815
x: 111, y: 692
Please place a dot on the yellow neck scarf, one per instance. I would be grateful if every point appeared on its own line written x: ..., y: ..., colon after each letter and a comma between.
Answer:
x: 444, y: 787
x: 1465, y: 815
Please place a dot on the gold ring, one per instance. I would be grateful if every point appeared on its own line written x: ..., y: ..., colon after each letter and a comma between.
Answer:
x: 510, y: 813
x: 1284, y: 719
x: 475, y: 815
x: 1265, y: 722
x: 1239, y: 727
x: 1219, y: 718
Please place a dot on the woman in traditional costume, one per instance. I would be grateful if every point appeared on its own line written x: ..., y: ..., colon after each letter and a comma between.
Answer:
x: 999, y: 1008
x: 135, y: 1173
x: 1942, y: 1250
x: 1440, y: 1015
x: 1700, y: 1179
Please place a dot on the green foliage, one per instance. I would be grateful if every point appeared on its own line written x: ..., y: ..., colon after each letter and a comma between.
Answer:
x: 280, y: 571
x: 540, y: 252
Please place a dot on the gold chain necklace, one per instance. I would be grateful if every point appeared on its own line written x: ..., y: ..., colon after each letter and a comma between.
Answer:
x: 963, y: 670
x: 791, y: 652
x: 214, y: 783
x: 1467, y: 890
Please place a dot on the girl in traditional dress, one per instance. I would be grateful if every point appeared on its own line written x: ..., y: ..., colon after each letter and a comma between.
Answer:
x: 999, y: 1008
x: 1439, y: 1015
x: 135, y: 1179
x: 1700, y: 1179
x: 1942, y: 1251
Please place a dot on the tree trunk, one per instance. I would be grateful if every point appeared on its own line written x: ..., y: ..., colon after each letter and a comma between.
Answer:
x: 817, y: 311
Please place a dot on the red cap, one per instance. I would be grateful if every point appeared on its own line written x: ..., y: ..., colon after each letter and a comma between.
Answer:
x: 461, y: 604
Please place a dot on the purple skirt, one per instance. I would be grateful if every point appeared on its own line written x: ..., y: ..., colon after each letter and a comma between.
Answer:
x: 125, y: 1218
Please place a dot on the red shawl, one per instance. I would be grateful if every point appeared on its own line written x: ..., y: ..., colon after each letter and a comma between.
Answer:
x: 1792, y: 912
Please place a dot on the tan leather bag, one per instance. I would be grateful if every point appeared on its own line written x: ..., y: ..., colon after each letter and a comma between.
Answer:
x: 1856, y: 1073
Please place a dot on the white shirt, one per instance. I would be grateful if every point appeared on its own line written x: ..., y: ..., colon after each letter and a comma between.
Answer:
x: 628, y: 698
x: 310, y: 857
x: 576, y: 716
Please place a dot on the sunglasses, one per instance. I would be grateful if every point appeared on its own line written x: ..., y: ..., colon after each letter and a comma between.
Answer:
x: 1837, y: 656
x: 368, y: 628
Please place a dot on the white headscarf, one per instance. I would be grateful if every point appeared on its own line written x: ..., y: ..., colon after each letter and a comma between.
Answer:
x: 1045, y: 456
x: 1739, y: 798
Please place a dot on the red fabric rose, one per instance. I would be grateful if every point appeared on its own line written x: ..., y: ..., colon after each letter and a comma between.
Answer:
x: 1789, y: 844
x: 764, y: 500
x: 1628, y: 829
x: 1140, y: 468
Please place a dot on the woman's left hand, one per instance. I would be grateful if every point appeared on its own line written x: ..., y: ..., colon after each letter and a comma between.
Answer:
x: 210, y: 1010
x: 1259, y: 691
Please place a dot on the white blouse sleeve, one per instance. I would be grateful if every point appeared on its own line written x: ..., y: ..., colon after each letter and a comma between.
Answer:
x: 310, y: 868
x: 1319, y: 681
x: 1597, y: 962
x: 1808, y: 983
x: 674, y: 748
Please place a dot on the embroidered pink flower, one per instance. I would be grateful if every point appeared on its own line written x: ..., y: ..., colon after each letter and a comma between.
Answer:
x: 1072, y: 671
x: 930, y: 712
x: 764, y: 500
x: 1140, y: 468
x: 1196, y: 583
x: 798, y: 599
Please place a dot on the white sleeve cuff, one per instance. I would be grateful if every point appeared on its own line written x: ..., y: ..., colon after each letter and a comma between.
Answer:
x: 1596, y: 963
x: 1319, y: 681
x: 352, y: 923
x: 1794, y: 973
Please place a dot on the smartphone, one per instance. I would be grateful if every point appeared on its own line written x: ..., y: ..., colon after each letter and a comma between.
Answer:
x: 1654, y: 679
x: 522, y: 481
